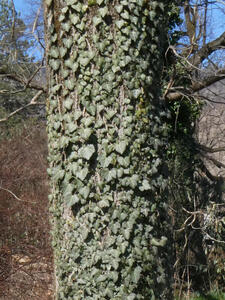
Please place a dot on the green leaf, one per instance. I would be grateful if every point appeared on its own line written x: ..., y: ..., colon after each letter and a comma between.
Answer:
x: 72, y: 127
x: 96, y: 21
x: 101, y: 278
x: 91, y: 109
x: 123, y: 247
x: 85, y: 191
x: 107, y: 161
x: 120, y: 23
x: 68, y: 42
x: 127, y: 233
x: 82, y: 174
x: 65, y: 73
x: 85, y: 133
x: 114, y: 275
x: 48, y: 2
x: 68, y: 192
x: 159, y: 242
x: 77, y: 115
x: 68, y: 103
x: 59, y: 175
x: 55, y: 64
x: 73, y: 200
x: 103, y: 11
x: 132, y: 297
x: 120, y: 172
x: 110, y: 114
x: 134, y: 181
x: 87, y: 151
x: 87, y: 121
x: 121, y: 147
x: 145, y: 186
x: 111, y: 175
x: 136, y: 274
x: 74, y: 19
x: 74, y: 167
x: 115, y: 264
x: 119, y: 8
x: 74, y: 66
x: 136, y: 93
x: 54, y: 52
x: 104, y: 203
x: 84, y: 61
x: 125, y: 15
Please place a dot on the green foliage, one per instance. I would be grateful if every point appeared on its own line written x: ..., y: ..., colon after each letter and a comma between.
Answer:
x: 110, y: 226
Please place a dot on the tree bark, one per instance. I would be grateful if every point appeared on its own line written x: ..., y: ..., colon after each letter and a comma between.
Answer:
x: 107, y: 139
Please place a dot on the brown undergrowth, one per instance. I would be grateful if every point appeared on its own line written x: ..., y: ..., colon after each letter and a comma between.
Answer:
x: 26, y: 268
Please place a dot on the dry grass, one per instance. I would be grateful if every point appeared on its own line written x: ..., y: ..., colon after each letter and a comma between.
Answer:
x: 25, y: 253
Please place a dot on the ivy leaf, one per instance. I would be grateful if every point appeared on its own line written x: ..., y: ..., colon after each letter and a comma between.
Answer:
x: 131, y: 297
x: 86, y: 151
x: 74, y: 19
x: 96, y: 21
x: 103, y: 11
x: 107, y: 161
x: 85, y: 191
x: 74, y: 168
x: 125, y: 15
x: 111, y: 175
x: 59, y: 175
x: 120, y: 23
x: 104, y: 203
x: 127, y: 233
x: 84, y: 61
x: 119, y: 8
x: 101, y: 278
x: 115, y: 264
x: 55, y: 64
x: 121, y: 147
x: 114, y: 275
x: 77, y: 114
x: 137, y: 274
x: 68, y: 103
x: 136, y: 93
x: 134, y: 181
x: 73, y: 200
x: 68, y: 192
x: 72, y: 127
x: 85, y: 133
x: 82, y: 174
x: 145, y: 186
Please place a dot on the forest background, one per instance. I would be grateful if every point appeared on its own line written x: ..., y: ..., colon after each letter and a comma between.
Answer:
x: 194, y: 93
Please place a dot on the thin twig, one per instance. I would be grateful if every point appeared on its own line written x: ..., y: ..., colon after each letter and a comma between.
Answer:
x: 17, y: 198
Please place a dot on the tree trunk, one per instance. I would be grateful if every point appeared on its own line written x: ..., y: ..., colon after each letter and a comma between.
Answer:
x: 107, y: 137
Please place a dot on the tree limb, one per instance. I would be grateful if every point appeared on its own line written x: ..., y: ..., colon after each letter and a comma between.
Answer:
x: 32, y: 102
x: 206, y: 50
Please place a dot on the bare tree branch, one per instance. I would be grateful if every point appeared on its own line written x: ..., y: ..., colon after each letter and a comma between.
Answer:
x: 208, y: 49
x: 32, y: 102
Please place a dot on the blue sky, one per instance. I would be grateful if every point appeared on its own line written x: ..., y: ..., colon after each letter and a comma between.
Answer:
x: 21, y: 7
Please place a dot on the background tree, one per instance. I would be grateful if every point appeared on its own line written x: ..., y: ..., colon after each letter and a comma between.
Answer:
x: 196, y: 151
x: 106, y: 132
x: 21, y: 79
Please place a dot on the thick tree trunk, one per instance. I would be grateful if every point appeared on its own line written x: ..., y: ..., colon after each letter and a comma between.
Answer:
x: 111, y: 234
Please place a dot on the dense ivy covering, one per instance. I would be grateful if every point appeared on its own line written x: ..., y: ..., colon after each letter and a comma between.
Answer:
x: 111, y: 236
